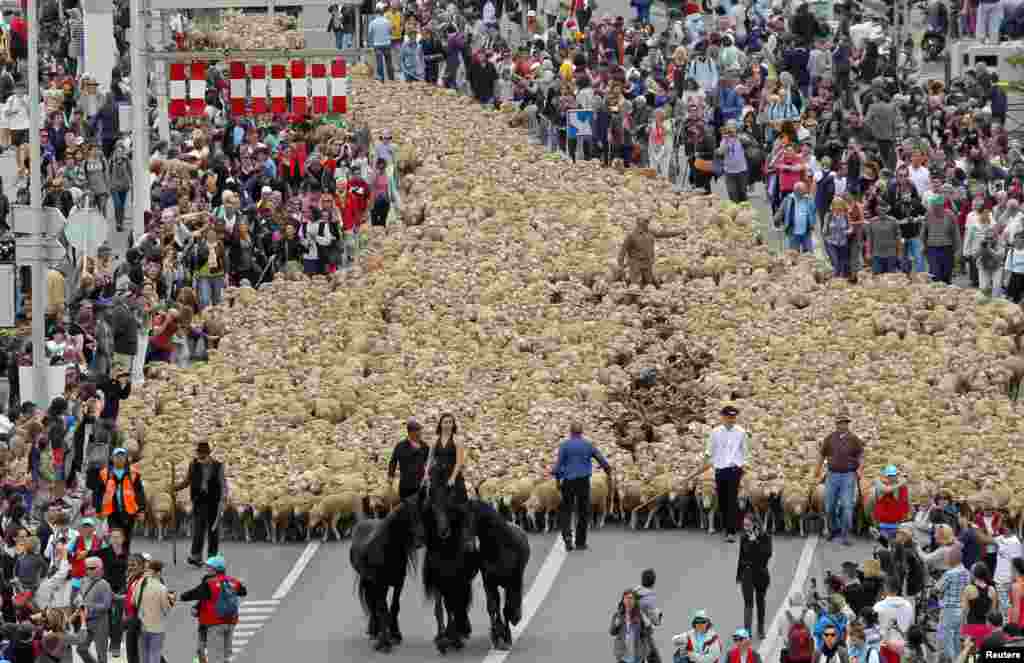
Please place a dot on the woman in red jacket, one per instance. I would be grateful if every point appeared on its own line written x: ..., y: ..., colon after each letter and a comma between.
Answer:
x: 892, y: 501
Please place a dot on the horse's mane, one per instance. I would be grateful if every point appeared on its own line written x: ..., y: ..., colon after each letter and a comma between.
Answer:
x: 492, y: 526
x: 387, y: 531
x: 449, y: 550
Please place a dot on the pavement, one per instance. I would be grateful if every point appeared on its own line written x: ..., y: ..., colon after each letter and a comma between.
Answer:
x: 302, y: 598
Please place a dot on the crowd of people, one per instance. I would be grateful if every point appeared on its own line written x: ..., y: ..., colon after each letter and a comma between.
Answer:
x: 852, y: 151
x: 878, y: 170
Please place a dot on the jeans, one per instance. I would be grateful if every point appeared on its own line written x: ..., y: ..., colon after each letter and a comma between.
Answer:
x: 643, y: 14
x: 98, y: 631
x: 218, y: 642
x: 348, y: 248
x: 885, y: 264
x: 343, y: 40
x: 840, y: 492
x: 736, y: 186
x: 840, y: 257
x: 988, y: 281
x: 802, y: 243
x: 210, y: 290
x: 120, y: 199
x: 753, y: 595
x: 152, y: 646
x: 990, y: 20
x: 913, y: 257
x: 940, y: 263
x: 383, y: 54
x: 948, y: 632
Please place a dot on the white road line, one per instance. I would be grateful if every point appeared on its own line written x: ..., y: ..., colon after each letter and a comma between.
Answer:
x: 542, y: 584
x: 255, y: 603
x: 771, y: 643
x: 254, y: 618
x: 300, y: 565
x: 262, y: 609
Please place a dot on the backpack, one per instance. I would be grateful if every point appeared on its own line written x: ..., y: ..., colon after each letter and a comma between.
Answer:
x: 228, y: 601
x: 799, y: 643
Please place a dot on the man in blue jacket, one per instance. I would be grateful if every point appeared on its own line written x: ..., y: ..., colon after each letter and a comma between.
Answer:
x: 572, y: 471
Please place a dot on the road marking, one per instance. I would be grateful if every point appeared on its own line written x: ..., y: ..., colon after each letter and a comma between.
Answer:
x: 255, y: 603
x: 771, y: 643
x: 253, y: 618
x: 300, y: 565
x: 266, y: 609
x: 539, y: 589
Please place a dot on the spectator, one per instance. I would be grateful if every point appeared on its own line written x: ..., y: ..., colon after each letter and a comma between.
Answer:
x: 93, y: 602
x: 217, y: 626
x: 647, y: 599
x: 631, y: 630
x: 701, y: 644
x: 978, y: 601
x: 798, y: 219
x: 951, y: 588
x: 894, y: 608
x: 115, y: 559
x: 379, y: 36
x: 892, y: 502
x: 834, y: 617
x: 742, y: 649
x: 154, y: 602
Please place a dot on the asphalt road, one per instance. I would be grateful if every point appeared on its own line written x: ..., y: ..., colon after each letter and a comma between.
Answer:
x: 573, y: 597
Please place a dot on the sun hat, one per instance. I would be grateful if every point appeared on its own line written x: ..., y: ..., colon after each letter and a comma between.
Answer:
x: 120, y: 451
x: 216, y: 563
x: 741, y: 634
x: 700, y: 617
x: 890, y: 471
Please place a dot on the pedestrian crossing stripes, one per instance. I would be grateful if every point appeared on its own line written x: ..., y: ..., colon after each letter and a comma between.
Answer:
x: 252, y: 615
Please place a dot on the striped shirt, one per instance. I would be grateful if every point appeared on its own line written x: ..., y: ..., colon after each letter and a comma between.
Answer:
x: 952, y: 585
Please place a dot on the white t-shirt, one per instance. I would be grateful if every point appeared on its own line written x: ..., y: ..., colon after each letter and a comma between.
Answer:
x: 726, y: 447
x: 895, y: 607
x: 921, y: 178
x: 1007, y: 547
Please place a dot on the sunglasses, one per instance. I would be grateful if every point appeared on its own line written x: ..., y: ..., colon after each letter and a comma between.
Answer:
x: 830, y: 635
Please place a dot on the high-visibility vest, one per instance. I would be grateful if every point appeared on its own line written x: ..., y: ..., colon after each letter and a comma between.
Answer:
x: 131, y: 506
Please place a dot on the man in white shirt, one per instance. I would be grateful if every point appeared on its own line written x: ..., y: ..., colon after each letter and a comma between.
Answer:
x: 726, y: 451
x: 894, y: 607
x: 920, y: 176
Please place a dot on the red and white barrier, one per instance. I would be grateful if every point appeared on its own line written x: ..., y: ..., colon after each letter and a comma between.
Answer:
x: 315, y: 90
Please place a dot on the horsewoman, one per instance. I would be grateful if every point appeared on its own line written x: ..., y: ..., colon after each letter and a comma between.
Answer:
x: 447, y: 484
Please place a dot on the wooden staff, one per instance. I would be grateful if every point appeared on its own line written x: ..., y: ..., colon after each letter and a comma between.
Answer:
x: 174, y: 518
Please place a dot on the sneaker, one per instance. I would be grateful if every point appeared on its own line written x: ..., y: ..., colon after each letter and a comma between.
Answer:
x: 568, y: 545
x: 846, y: 541
x: 729, y: 538
x: 195, y: 561
x: 115, y: 653
x: 582, y: 547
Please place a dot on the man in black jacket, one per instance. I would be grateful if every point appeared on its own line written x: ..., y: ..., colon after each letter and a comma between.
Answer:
x: 208, y: 490
x: 410, y: 459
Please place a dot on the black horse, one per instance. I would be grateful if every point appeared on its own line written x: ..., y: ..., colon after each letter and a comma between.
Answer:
x: 503, y: 554
x: 382, y: 551
x: 448, y: 573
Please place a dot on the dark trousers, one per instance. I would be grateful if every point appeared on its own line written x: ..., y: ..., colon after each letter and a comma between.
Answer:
x: 126, y: 523
x: 1015, y: 288
x: 736, y: 186
x: 204, y: 516
x: 940, y: 263
x: 379, y: 211
x: 116, y: 624
x: 727, y: 485
x: 575, y: 497
x: 751, y: 595
x: 888, y: 152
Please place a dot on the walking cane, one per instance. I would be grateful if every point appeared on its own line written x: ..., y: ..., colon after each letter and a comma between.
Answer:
x: 174, y: 519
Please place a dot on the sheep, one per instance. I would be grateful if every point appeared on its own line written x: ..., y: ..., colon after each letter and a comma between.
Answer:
x: 328, y: 511
x: 600, y: 498
x: 544, y: 503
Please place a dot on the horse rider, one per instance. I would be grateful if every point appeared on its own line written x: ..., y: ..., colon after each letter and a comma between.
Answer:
x: 447, y: 484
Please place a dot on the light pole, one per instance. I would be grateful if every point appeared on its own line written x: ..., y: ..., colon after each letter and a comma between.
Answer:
x: 140, y: 116
x: 39, y: 264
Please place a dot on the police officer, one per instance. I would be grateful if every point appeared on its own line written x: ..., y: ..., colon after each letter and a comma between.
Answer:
x: 572, y: 470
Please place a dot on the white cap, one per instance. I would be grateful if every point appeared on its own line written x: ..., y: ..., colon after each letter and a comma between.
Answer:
x: 531, y: 14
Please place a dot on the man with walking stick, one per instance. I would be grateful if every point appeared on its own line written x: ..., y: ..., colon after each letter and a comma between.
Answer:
x: 208, y: 490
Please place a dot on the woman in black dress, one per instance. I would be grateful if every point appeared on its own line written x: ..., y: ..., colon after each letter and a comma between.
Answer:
x: 446, y: 481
